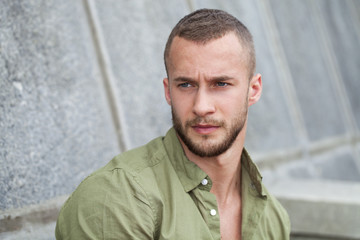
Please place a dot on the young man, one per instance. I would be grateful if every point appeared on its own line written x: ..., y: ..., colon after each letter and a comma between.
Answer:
x: 197, y: 182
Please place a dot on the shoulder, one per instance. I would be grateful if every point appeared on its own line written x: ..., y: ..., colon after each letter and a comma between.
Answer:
x: 136, y: 160
x: 112, y: 192
x: 120, y: 174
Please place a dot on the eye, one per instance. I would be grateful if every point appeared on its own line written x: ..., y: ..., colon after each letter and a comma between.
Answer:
x: 222, y: 84
x: 184, y: 85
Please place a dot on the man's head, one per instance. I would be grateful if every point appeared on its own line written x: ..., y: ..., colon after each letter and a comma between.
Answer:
x: 205, y: 25
x: 209, y: 84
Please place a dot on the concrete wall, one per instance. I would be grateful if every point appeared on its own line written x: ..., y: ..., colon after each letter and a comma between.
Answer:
x: 81, y: 81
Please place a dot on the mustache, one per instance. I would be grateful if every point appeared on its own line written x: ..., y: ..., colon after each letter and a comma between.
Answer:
x: 202, y: 120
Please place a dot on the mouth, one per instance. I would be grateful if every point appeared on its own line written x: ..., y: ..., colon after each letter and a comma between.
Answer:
x: 204, y: 128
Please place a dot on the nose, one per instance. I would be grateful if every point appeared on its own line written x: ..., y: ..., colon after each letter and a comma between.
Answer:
x: 203, y: 103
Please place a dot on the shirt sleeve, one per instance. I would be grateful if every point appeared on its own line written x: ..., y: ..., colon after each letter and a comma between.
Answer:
x: 107, y: 205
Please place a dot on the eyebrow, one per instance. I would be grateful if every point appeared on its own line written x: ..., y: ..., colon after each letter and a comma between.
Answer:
x: 183, y: 79
x: 213, y: 79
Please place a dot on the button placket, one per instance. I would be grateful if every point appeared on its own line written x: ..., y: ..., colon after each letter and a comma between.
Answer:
x: 207, y: 206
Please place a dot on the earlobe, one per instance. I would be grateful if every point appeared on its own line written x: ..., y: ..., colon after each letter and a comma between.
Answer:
x: 167, y: 90
x: 255, y: 89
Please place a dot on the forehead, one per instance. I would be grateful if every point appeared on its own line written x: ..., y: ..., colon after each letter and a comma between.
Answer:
x: 219, y: 56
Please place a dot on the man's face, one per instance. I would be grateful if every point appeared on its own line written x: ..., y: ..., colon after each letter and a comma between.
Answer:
x: 208, y: 93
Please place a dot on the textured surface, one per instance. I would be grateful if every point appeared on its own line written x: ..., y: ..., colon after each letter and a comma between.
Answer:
x: 313, y: 85
x: 338, y: 165
x: 340, y: 22
x: 320, y: 201
x: 55, y: 126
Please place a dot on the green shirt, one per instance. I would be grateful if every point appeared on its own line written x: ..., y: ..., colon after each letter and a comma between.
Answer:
x: 155, y: 192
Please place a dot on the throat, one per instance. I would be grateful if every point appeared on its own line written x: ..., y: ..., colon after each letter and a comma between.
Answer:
x: 226, y: 185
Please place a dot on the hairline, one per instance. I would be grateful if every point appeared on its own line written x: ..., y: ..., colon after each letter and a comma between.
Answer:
x: 244, y: 46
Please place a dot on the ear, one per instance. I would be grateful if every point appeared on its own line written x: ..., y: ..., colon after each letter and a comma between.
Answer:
x: 255, y: 89
x: 167, y: 90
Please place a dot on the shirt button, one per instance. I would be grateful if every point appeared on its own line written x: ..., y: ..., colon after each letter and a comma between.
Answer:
x: 204, y: 181
x: 212, y: 212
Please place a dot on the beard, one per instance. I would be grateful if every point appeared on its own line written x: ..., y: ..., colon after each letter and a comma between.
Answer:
x: 207, y: 147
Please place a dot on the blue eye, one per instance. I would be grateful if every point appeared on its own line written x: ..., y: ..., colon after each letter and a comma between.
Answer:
x: 222, y: 84
x: 184, y: 85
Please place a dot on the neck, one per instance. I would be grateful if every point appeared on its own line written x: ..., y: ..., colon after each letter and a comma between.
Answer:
x: 224, y: 170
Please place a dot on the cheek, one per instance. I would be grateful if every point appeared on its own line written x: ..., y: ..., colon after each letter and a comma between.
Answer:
x: 233, y: 104
x: 179, y: 107
x: 231, y: 99
x: 182, y: 106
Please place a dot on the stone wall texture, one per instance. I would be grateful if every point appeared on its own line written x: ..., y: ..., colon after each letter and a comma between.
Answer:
x: 81, y: 81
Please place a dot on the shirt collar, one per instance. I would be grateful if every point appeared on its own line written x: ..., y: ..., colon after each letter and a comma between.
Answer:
x: 191, y: 175
x: 252, y: 172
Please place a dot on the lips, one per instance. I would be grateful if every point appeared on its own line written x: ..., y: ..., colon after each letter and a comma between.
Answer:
x: 204, y: 129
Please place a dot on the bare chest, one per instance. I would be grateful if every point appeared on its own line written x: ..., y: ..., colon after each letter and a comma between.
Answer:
x: 230, y: 221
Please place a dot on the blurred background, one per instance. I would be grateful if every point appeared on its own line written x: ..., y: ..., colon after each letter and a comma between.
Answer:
x: 81, y: 81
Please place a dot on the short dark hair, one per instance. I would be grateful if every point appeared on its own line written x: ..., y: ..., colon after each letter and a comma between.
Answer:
x: 205, y: 25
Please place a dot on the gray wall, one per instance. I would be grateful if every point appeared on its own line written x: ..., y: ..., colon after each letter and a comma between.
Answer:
x: 81, y: 81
